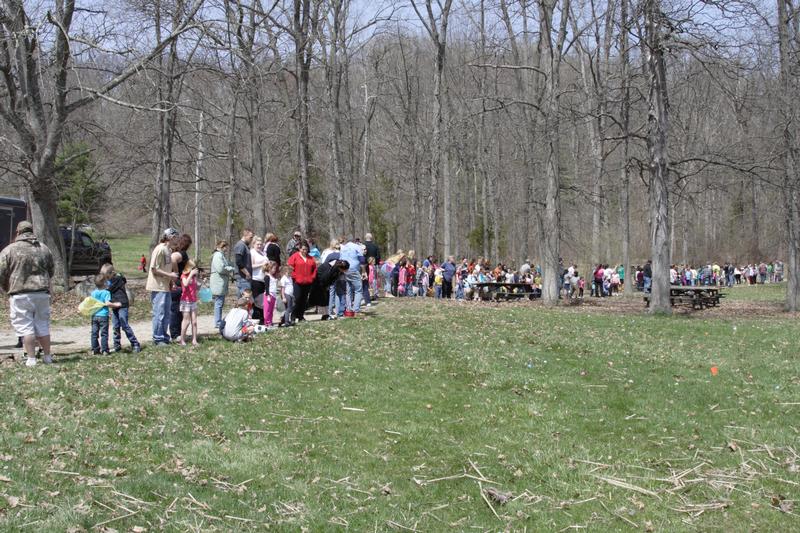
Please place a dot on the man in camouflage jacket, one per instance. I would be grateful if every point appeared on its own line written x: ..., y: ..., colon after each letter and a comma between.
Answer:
x: 26, y: 268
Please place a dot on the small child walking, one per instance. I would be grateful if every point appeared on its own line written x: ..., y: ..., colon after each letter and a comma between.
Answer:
x: 287, y: 295
x: 188, y: 305
x: 100, y: 317
x: 143, y: 263
x: 271, y: 296
x: 117, y: 283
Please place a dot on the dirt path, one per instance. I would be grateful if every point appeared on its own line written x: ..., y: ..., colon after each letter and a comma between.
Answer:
x: 68, y: 340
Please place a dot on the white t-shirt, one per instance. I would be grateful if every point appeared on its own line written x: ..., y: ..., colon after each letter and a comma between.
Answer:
x: 273, y: 286
x: 257, y: 258
x: 288, y: 285
x: 234, y: 321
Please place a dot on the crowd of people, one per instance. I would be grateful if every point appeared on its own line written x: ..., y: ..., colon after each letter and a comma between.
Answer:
x: 341, y: 279
x: 266, y: 276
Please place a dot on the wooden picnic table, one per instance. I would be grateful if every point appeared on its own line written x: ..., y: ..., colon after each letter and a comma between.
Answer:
x: 698, y: 296
x: 497, y: 290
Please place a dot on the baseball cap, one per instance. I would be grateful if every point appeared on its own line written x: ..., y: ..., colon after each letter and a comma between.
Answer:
x: 170, y: 233
x: 24, y: 227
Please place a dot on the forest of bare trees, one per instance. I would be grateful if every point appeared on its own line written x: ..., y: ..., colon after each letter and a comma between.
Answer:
x: 593, y: 130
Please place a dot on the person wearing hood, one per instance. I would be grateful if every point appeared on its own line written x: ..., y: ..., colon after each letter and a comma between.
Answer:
x: 26, y: 271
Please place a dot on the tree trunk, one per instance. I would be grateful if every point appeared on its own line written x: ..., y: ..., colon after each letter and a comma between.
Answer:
x: 198, y: 167
x: 551, y: 224
x: 791, y: 197
x: 658, y: 131
x: 302, y: 55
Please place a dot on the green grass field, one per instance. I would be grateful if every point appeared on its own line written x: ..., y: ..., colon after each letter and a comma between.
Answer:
x: 397, y: 421
x: 127, y: 251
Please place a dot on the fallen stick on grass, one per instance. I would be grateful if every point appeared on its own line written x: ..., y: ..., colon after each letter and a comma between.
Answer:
x: 625, y: 485
x: 480, y: 488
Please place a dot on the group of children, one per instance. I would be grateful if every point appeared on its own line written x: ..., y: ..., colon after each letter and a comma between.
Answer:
x: 111, y: 291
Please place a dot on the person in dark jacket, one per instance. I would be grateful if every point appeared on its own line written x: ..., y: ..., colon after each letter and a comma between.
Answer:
x: 117, y: 286
x: 326, y: 277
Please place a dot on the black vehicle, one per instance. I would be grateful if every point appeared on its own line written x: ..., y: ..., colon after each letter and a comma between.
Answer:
x: 87, y: 256
x: 12, y: 212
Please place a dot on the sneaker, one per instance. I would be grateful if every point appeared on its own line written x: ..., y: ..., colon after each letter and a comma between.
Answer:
x: 369, y: 305
x: 47, y: 359
x: 106, y: 353
x: 30, y: 361
x: 117, y: 349
x: 95, y: 352
x: 137, y: 348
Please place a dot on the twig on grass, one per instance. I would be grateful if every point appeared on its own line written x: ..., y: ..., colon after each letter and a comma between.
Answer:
x: 355, y: 409
x: 131, y: 498
x: 480, y: 488
x: 618, y: 515
x: 625, y: 485
x: 238, y: 518
x: 115, y: 519
x: 476, y: 468
x: 395, y: 525
x: 63, y: 472
x: 449, y: 478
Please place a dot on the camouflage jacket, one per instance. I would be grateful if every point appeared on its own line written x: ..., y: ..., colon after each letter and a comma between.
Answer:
x: 26, y: 265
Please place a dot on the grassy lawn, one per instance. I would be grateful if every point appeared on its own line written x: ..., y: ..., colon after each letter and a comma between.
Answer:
x: 127, y: 251
x: 600, y: 420
x: 770, y: 292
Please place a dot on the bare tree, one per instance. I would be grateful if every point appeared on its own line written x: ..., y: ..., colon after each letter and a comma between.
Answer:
x: 38, y: 118
x: 436, y: 27
x: 657, y: 138
x: 551, y: 47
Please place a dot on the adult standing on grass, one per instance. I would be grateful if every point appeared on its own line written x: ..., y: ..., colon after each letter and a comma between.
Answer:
x: 259, y: 281
x: 179, y: 258
x: 351, y: 252
x: 448, y: 271
x: 294, y: 243
x: 244, y: 265
x: 304, y: 270
x: 159, y: 281
x: 221, y: 272
x: 272, y: 249
x: 26, y: 268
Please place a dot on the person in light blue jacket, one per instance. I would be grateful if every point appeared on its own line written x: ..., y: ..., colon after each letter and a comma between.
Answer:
x: 221, y: 272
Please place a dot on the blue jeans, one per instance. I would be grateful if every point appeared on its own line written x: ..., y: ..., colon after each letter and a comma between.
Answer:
x: 387, y: 283
x: 647, y: 283
x: 219, y: 301
x: 100, y: 327
x: 242, y: 285
x: 161, y: 303
x: 365, y: 291
x: 120, y: 322
x: 353, y: 290
x: 335, y: 300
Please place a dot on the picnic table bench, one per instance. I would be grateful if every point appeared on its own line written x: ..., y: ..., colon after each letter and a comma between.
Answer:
x: 501, y: 290
x: 699, y: 296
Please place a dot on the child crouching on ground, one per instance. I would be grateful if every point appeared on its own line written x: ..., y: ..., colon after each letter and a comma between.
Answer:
x: 119, y: 319
x: 238, y: 326
x: 100, y: 317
